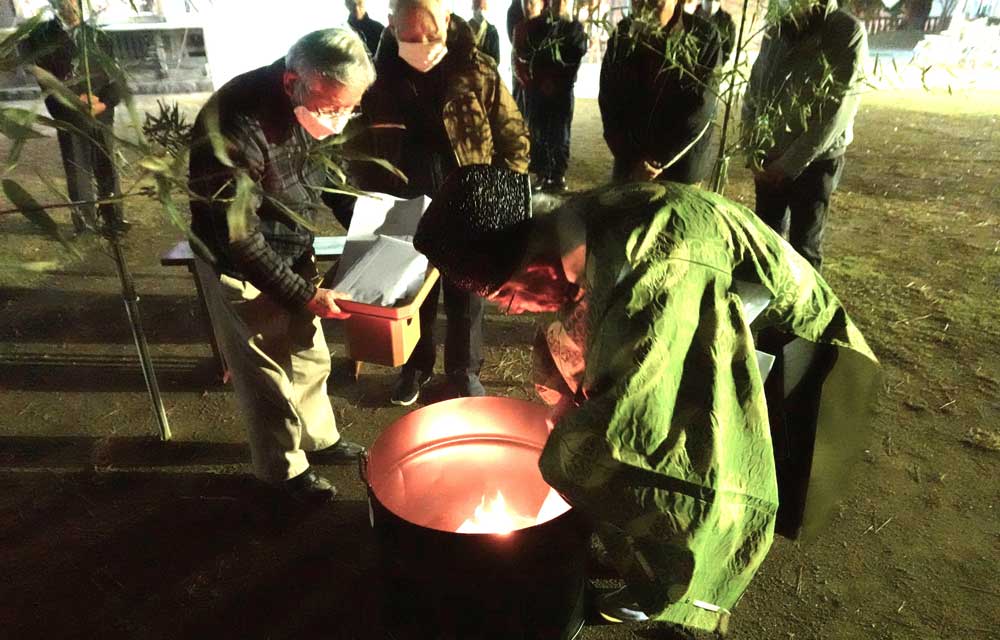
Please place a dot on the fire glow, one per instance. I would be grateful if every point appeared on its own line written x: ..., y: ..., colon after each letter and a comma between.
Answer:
x: 494, y: 516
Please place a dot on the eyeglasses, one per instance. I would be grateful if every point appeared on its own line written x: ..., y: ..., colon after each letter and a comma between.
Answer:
x: 336, y: 114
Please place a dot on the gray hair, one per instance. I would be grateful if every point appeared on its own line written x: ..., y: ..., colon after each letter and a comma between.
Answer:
x: 338, y: 54
x: 401, y: 6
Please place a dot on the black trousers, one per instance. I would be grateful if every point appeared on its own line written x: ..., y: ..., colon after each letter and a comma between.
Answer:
x: 88, y: 161
x: 798, y: 208
x: 550, y: 118
x: 463, y: 345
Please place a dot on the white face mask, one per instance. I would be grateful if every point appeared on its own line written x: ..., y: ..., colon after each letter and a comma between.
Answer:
x: 422, y: 56
x: 320, y: 127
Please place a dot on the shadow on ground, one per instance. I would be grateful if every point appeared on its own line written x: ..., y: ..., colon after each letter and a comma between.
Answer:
x: 169, y: 555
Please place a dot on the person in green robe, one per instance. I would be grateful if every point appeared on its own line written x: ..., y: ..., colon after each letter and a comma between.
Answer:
x: 663, y: 430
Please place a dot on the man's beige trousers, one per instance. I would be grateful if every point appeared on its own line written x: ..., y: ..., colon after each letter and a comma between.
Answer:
x: 278, y: 361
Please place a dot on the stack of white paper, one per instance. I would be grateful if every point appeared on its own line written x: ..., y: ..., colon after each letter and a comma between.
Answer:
x: 379, y: 265
x: 389, y: 271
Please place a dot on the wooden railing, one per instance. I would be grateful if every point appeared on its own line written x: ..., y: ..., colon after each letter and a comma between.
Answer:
x: 895, y: 23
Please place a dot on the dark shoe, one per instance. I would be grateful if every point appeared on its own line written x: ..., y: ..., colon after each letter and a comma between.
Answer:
x: 467, y: 385
x: 555, y: 185
x: 538, y: 185
x: 309, y: 488
x: 340, y: 452
x: 407, y: 388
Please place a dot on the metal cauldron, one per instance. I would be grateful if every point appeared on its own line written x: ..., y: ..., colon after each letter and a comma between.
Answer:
x: 426, y: 475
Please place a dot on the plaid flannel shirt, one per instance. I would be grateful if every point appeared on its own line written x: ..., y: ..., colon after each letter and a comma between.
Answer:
x: 263, y: 139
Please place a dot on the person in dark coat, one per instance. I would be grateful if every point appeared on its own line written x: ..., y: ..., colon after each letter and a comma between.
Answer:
x: 359, y: 20
x: 548, y: 51
x: 658, y: 96
x: 486, y: 35
x: 438, y: 104
x: 88, y: 156
x: 515, y: 16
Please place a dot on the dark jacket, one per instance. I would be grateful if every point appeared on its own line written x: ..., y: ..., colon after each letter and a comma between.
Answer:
x: 57, y: 51
x: 264, y: 139
x: 654, y: 105
x: 458, y: 114
x: 487, y: 38
x: 548, y: 52
x: 369, y: 30
x: 821, y: 64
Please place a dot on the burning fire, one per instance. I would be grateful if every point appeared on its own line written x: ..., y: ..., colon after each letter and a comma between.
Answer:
x: 493, y: 515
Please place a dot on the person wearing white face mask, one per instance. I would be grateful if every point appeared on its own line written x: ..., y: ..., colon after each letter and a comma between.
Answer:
x: 438, y: 104
x: 262, y: 130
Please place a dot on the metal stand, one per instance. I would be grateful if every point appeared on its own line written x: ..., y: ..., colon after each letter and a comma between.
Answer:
x: 114, y: 229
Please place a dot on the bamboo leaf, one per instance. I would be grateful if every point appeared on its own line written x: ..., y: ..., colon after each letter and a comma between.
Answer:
x: 240, y: 208
x: 55, y: 87
x: 385, y: 164
x: 16, y: 124
x: 295, y: 217
x: 35, y: 213
x: 213, y: 129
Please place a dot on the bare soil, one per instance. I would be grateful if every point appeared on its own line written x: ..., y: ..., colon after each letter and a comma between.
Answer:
x: 107, y: 532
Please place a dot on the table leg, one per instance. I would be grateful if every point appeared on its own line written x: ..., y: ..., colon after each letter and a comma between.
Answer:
x: 220, y: 361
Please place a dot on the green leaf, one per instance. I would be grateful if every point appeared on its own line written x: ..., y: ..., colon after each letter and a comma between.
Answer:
x: 55, y: 87
x: 35, y: 213
x: 213, y: 128
x: 385, y: 164
x: 16, y: 124
x: 240, y: 208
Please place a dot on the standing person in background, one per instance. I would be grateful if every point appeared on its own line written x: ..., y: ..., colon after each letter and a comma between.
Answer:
x: 515, y: 16
x: 813, y: 54
x: 359, y: 20
x: 659, y: 92
x: 486, y: 35
x: 87, y: 156
x: 438, y: 104
x: 548, y: 50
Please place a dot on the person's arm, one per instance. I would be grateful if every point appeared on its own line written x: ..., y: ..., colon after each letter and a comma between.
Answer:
x: 830, y: 118
x: 214, y: 184
x: 511, y: 143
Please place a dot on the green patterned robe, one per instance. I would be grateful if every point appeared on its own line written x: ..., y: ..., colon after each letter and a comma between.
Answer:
x: 671, y: 451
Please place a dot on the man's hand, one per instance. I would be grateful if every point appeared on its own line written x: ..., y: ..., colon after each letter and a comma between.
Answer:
x: 96, y: 106
x: 645, y: 171
x: 324, y: 304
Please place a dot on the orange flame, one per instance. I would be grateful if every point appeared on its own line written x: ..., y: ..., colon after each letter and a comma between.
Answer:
x: 493, y: 516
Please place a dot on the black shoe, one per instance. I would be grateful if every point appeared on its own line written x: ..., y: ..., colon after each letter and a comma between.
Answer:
x: 407, y: 388
x: 467, y: 385
x: 555, y: 185
x: 340, y: 452
x: 539, y: 185
x: 309, y: 488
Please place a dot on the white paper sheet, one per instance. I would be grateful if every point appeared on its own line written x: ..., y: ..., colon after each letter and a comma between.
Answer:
x: 380, y: 265
x: 389, y: 271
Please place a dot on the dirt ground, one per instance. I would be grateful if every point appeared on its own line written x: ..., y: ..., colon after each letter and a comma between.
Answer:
x: 107, y: 532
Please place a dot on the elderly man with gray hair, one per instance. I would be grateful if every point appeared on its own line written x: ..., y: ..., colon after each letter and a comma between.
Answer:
x: 256, y: 143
